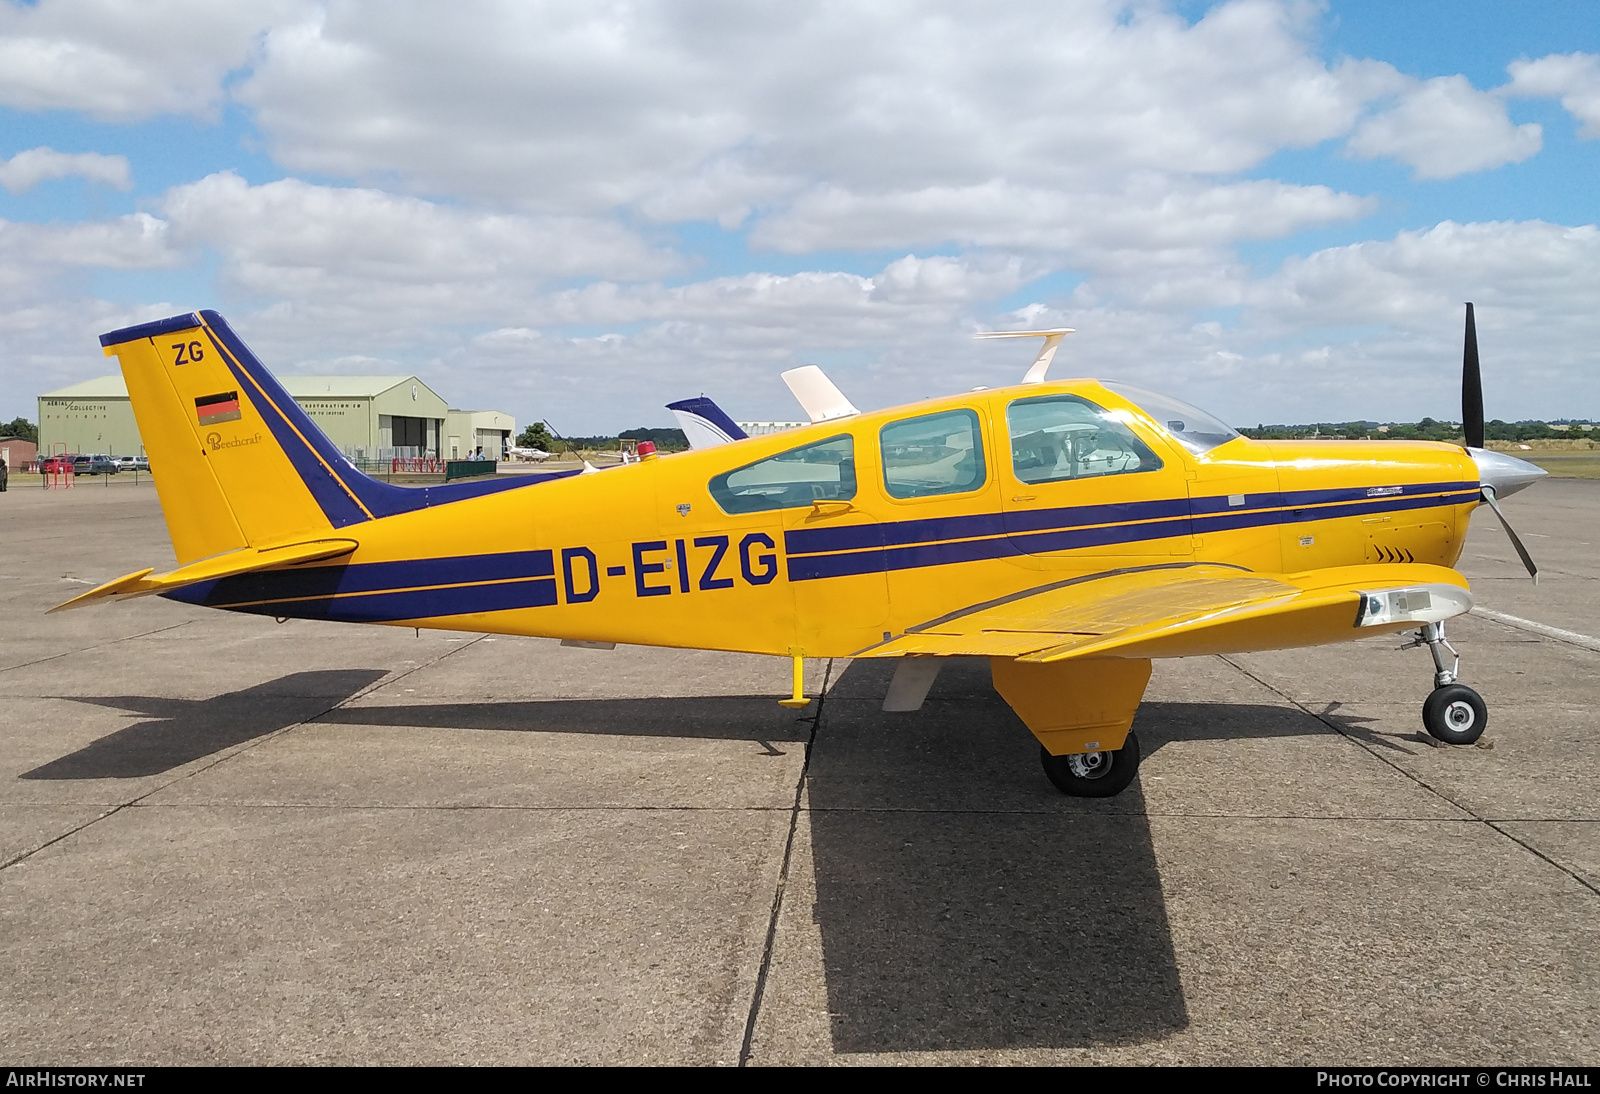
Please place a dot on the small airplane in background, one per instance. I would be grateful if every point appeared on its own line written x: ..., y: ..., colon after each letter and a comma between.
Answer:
x: 1069, y: 531
x: 527, y: 455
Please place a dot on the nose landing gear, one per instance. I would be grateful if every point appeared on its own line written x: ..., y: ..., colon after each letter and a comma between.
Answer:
x: 1454, y: 713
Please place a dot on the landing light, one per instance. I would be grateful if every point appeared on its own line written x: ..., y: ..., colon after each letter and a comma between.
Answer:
x: 1416, y: 604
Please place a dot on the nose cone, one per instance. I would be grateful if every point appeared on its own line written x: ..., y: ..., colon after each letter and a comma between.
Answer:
x: 1505, y: 474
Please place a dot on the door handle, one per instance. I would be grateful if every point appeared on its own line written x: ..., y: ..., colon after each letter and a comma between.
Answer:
x: 831, y: 508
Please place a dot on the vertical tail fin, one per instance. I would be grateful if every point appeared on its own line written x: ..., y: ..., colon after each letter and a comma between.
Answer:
x: 224, y: 479
x: 704, y: 423
x: 235, y: 459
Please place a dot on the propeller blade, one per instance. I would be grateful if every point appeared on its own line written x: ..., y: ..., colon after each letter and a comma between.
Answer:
x: 1472, y: 388
x: 1522, y: 552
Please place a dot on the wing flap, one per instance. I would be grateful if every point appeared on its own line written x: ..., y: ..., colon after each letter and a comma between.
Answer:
x: 1168, y: 611
x: 229, y: 564
x: 977, y: 644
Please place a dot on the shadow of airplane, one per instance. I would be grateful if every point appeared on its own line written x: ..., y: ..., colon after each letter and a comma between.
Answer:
x: 963, y: 903
x: 178, y: 731
x: 753, y: 718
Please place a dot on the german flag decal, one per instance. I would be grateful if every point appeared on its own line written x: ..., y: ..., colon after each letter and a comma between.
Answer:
x: 213, y: 409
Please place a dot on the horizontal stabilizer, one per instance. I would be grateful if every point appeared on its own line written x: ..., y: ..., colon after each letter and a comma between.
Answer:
x: 819, y: 398
x: 704, y: 423
x: 1047, y: 353
x: 230, y: 564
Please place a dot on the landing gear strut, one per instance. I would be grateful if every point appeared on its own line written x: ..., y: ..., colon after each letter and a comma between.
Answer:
x: 1454, y: 713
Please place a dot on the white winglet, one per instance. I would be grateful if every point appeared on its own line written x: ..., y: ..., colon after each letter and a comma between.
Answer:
x: 821, y: 401
x: 1041, y: 363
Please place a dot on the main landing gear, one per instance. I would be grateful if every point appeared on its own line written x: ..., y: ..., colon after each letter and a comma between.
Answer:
x: 1093, y: 774
x: 1454, y: 713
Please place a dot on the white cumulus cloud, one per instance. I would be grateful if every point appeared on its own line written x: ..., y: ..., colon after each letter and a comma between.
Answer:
x: 119, y: 60
x: 1445, y: 127
x: 698, y: 110
x: 26, y: 170
x: 392, y: 255
x: 1574, y: 78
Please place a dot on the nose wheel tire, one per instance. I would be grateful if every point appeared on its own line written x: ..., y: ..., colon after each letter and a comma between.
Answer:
x: 1455, y: 714
x: 1093, y: 774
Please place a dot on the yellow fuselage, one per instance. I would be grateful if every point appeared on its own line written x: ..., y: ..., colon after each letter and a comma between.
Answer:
x: 644, y: 554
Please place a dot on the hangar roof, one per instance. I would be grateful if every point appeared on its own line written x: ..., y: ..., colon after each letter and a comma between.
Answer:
x: 346, y: 387
x: 101, y: 387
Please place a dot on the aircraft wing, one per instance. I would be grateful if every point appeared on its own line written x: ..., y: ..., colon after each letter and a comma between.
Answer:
x: 228, y: 564
x: 1186, y: 610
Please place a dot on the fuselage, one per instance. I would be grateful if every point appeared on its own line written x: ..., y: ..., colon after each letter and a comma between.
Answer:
x: 829, y: 539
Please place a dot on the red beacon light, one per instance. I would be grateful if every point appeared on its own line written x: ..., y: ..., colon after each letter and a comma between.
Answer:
x: 647, y: 450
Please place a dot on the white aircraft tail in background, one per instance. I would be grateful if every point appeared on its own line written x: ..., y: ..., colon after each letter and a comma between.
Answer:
x: 704, y: 423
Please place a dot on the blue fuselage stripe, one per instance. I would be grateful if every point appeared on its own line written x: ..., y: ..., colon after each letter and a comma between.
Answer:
x: 389, y: 607
x: 381, y: 591
x: 872, y: 548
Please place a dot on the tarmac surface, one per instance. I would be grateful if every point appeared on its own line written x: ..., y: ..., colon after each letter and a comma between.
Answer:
x: 228, y: 840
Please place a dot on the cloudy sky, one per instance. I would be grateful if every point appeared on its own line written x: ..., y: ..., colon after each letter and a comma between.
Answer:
x: 584, y: 210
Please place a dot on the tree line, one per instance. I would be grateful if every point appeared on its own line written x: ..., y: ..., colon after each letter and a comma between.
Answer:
x: 1426, y: 430
x: 539, y: 436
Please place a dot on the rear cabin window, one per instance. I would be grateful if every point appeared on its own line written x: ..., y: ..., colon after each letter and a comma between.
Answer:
x: 934, y: 454
x: 825, y: 471
x: 1056, y: 437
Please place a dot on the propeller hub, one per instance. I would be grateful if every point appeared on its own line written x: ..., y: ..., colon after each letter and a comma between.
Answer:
x: 1504, y: 474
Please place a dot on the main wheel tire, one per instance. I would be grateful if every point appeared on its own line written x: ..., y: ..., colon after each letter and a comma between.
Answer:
x: 1455, y: 714
x: 1093, y: 774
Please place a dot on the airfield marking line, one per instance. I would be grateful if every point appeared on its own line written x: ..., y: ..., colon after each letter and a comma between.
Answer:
x: 783, y: 879
x: 97, y: 645
x: 1472, y: 814
x: 1571, y: 638
x: 226, y: 756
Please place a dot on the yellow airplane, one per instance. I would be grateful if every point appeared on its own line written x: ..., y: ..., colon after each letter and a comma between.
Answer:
x: 1069, y: 531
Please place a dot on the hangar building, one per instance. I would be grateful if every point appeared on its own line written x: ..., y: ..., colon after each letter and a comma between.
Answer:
x: 368, y: 417
x: 466, y: 431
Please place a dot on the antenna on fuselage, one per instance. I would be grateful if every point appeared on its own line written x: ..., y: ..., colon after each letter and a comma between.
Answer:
x: 1047, y: 352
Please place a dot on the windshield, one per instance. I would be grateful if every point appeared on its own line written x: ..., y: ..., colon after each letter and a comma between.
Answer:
x: 1190, y: 426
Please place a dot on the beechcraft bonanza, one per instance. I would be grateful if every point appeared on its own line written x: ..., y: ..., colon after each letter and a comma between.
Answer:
x: 1069, y: 531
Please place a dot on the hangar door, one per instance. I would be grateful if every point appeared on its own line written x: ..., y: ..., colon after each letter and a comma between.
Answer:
x: 404, y: 432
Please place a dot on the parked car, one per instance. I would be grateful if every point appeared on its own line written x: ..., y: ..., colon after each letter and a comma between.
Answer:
x: 93, y: 465
x: 5, y: 475
x: 127, y: 463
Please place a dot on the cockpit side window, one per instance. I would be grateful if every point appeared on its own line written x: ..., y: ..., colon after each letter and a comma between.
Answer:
x: 933, y: 454
x: 1056, y: 437
x: 824, y: 471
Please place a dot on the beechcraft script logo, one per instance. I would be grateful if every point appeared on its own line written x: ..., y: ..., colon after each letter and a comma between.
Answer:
x: 214, y: 409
